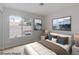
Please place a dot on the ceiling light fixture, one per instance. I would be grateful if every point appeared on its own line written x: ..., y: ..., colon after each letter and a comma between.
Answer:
x: 41, y: 4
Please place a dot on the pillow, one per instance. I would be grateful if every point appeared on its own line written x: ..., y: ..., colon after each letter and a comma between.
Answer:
x: 50, y: 37
x: 62, y: 40
x: 54, y: 40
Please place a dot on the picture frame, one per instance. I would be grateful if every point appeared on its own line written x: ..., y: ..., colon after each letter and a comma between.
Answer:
x: 62, y: 23
x: 37, y: 24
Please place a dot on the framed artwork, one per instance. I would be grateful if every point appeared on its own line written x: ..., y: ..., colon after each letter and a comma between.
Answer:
x: 62, y: 24
x: 37, y: 24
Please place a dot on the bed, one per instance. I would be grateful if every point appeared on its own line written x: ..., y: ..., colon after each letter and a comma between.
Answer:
x: 46, y: 47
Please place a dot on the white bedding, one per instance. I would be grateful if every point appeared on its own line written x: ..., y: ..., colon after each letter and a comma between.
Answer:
x: 38, y: 49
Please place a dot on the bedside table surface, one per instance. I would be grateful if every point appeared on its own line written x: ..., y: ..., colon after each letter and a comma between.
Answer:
x: 75, y: 47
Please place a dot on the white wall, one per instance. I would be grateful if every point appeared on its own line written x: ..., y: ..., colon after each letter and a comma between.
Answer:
x: 21, y: 40
x: 69, y: 11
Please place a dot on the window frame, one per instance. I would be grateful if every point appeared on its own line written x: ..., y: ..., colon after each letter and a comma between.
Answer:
x: 22, y: 35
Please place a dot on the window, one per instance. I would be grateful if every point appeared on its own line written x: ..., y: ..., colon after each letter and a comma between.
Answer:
x: 19, y: 26
x: 27, y: 26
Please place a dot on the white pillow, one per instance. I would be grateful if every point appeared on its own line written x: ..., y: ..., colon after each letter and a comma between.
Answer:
x: 54, y: 40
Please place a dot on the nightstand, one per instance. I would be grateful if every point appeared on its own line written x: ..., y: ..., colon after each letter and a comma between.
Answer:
x: 42, y: 37
x: 75, y: 50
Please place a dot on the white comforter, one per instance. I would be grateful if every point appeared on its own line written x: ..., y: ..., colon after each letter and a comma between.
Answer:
x: 38, y: 49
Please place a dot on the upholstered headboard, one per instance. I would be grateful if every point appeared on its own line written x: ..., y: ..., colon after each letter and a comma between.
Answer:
x: 63, y: 35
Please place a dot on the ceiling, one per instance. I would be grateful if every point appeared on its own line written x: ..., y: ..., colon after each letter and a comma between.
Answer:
x: 45, y: 9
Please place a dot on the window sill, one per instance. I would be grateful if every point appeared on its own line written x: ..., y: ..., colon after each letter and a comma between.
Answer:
x: 20, y: 36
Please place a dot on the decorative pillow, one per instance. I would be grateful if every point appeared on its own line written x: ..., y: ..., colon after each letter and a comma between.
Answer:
x: 54, y: 36
x: 50, y: 37
x: 54, y: 40
x: 62, y: 40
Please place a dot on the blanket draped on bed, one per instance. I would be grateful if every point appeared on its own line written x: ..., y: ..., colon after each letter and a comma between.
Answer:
x: 57, y: 49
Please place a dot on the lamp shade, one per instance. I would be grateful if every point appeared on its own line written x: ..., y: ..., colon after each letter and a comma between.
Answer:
x: 46, y: 31
x: 76, y: 37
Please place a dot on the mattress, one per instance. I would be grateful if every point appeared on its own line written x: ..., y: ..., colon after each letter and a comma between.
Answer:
x: 38, y: 49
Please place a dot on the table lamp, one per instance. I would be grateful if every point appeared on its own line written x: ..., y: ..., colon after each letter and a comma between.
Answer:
x: 76, y: 39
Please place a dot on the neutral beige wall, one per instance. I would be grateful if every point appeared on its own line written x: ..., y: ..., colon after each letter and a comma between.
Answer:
x: 72, y: 11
